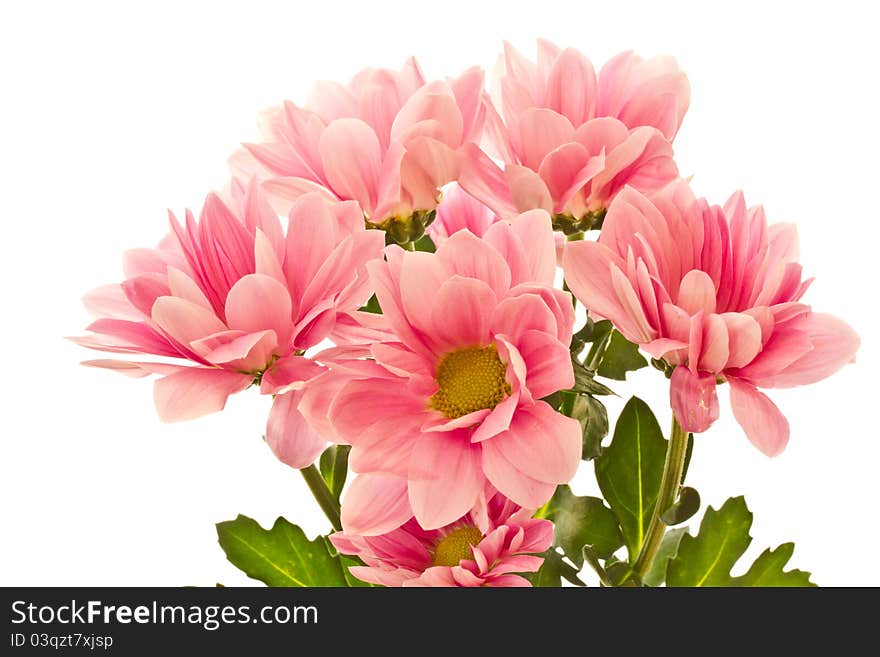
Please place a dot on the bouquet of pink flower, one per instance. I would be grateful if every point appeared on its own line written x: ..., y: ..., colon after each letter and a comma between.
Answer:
x: 437, y: 288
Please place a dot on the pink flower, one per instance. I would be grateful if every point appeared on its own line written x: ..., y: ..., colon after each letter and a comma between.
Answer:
x: 387, y: 140
x: 715, y: 293
x: 484, y: 547
x: 457, y: 211
x: 239, y: 303
x: 481, y: 338
x: 570, y: 142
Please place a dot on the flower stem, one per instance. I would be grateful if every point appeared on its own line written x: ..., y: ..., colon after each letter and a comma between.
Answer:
x: 670, y: 483
x: 322, y: 494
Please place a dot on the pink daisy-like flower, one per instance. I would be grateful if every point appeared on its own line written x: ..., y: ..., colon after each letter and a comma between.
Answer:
x: 715, y: 293
x: 239, y: 302
x: 387, y: 140
x: 569, y: 141
x: 484, y: 547
x: 481, y: 338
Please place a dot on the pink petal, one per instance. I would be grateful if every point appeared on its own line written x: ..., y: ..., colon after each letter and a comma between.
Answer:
x: 484, y: 180
x: 184, y: 320
x: 541, y: 443
x: 548, y: 363
x: 571, y: 87
x: 529, y: 240
x: 498, y: 420
x: 375, y: 504
x: 467, y: 255
x: 744, y: 336
x: 539, y: 131
x: 693, y: 399
x: 764, y: 424
x: 835, y: 344
x: 288, y: 434
x: 196, y: 391
x: 696, y: 293
x: 258, y: 302
x: 351, y: 157
x: 715, y: 344
x: 528, y: 191
x: 509, y: 480
x: 445, y: 478
x: 526, y: 312
x: 289, y: 373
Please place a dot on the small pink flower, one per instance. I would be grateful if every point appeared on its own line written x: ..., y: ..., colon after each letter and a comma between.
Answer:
x: 457, y: 211
x: 387, y: 140
x: 715, y: 293
x: 570, y: 141
x: 484, y: 547
x: 481, y: 336
x: 239, y: 302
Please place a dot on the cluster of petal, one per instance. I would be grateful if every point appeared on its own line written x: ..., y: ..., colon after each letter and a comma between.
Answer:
x: 493, y: 293
x: 238, y: 302
x: 387, y: 140
x: 571, y: 140
x: 401, y: 553
x: 715, y: 292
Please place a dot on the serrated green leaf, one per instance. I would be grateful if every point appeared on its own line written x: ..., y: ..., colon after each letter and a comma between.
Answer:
x: 553, y: 571
x: 629, y: 471
x: 581, y: 521
x: 707, y: 558
x: 281, y: 556
x: 668, y: 549
x: 620, y: 356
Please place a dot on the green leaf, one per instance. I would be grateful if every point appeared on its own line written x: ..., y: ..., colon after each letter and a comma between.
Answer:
x: 553, y: 571
x: 707, y: 558
x: 584, y: 381
x: 629, y: 471
x: 425, y: 243
x: 684, y: 508
x: 281, y: 556
x: 620, y: 356
x: 372, y: 306
x: 334, y: 467
x: 668, y: 549
x: 581, y: 521
x: 601, y: 336
x: 591, y: 413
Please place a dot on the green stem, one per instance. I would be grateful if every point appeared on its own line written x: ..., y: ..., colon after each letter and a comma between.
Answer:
x: 669, y: 486
x: 409, y: 246
x: 322, y: 494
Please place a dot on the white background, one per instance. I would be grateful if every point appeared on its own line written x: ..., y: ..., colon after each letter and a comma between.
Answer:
x: 110, y: 114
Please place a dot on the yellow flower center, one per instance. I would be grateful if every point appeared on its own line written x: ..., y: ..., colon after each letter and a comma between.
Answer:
x: 456, y: 545
x: 470, y: 379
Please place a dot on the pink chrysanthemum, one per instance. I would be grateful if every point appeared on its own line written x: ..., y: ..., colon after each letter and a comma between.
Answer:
x: 481, y: 338
x: 570, y: 141
x: 715, y: 293
x: 484, y: 547
x: 239, y: 303
x: 387, y: 140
